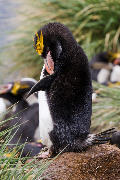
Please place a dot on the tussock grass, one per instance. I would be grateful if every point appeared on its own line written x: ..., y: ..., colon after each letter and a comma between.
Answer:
x: 106, y: 111
x: 95, y: 25
x: 12, y: 165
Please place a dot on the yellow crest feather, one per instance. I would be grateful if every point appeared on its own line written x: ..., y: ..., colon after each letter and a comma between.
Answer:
x: 17, y: 86
x: 39, y: 44
x: 116, y: 55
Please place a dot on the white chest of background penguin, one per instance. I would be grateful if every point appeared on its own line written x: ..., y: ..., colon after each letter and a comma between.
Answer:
x: 68, y: 90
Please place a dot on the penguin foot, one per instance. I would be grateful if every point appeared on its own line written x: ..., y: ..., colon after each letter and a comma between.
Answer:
x: 44, y: 154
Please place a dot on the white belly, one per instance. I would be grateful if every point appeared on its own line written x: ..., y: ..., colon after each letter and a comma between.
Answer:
x: 103, y: 76
x: 45, y: 119
x: 2, y: 108
x: 115, y: 75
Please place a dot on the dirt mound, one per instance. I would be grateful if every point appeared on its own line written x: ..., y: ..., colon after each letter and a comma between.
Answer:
x: 98, y: 163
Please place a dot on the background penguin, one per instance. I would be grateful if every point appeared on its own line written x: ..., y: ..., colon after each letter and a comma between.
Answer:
x: 24, y: 114
x: 116, y: 139
x: 105, y: 67
x: 68, y: 90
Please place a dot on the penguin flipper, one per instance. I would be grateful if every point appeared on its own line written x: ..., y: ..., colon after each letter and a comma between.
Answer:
x: 42, y: 85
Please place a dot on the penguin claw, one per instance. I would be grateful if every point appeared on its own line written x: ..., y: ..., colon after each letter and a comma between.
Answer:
x: 109, y: 131
x: 97, y: 143
x: 44, y: 155
x: 104, y: 137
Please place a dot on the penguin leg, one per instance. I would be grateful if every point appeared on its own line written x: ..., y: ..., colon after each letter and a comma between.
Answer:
x: 44, y: 155
x: 85, y: 141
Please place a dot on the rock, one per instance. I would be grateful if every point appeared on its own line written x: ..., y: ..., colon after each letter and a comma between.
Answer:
x: 98, y: 163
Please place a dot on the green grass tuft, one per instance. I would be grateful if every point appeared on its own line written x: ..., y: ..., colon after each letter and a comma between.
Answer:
x: 12, y: 165
x: 95, y: 25
x: 106, y: 111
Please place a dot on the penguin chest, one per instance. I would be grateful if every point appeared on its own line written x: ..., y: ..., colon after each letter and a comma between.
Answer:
x: 103, y: 76
x: 45, y: 120
x: 115, y: 75
x: 2, y: 106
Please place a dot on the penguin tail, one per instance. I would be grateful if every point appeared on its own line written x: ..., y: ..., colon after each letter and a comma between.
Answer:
x: 100, y: 138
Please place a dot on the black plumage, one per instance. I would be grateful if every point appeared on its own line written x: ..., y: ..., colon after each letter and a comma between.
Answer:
x: 68, y: 90
x: 24, y: 119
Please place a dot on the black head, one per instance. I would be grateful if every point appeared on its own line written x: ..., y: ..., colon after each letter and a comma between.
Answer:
x: 55, y: 40
x: 15, y: 91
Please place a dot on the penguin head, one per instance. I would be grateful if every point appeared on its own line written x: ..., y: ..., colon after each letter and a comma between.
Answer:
x: 114, y: 57
x: 47, y: 42
x: 56, y: 45
x: 15, y: 91
x: 53, y: 42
